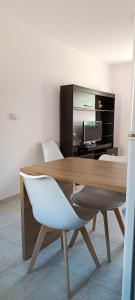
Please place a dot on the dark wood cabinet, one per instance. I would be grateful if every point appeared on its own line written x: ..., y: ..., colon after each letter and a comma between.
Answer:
x: 78, y: 104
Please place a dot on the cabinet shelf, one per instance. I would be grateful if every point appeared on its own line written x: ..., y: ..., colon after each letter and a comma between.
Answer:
x: 84, y: 108
x: 105, y: 135
x: 102, y: 110
x: 108, y: 123
x: 92, y: 109
x: 99, y: 153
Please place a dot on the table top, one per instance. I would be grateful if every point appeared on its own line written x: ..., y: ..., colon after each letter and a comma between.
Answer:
x: 100, y: 174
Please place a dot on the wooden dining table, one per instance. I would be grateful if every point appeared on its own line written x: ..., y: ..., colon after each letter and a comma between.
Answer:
x: 96, y: 173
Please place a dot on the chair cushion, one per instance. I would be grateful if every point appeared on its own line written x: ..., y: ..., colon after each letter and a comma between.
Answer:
x: 98, y: 198
x: 85, y: 213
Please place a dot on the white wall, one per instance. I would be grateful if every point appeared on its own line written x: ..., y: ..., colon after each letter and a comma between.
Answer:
x: 121, y: 84
x: 32, y: 67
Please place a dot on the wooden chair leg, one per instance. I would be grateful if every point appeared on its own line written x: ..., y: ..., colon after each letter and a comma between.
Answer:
x: 90, y: 246
x: 107, y: 238
x: 61, y: 239
x: 37, y: 248
x: 64, y: 234
x: 74, y: 236
x: 94, y: 222
x: 119, y: 219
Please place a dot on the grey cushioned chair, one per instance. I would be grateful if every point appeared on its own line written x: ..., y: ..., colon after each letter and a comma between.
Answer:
x: 104, y: 200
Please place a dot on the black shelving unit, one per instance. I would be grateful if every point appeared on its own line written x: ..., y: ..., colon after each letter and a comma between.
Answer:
x: 72, y: 98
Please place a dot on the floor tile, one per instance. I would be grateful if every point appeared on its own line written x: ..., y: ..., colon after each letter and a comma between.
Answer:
x: 5, y: 220
x: 4, y: 245
x: 16, y: 284
x: 9, y: 254
x: 110, y: 275
x: 52, y: 286
x: 92, y: 291
x: 15, y: 203
x: 10, y: 211
x: 11, y: 232
x: 114, y: 229
x: 80, y: 260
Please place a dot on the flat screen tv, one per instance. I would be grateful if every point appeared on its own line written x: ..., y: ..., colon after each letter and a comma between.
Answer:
x: 92, y: 131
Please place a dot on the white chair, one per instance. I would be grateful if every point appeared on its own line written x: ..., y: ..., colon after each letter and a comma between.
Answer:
x: 122, y: 159
x: 53, y: 211
x: 51, y: 151
x: 103, y: 200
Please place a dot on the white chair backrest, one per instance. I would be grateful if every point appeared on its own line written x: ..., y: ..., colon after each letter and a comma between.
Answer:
x: 121, y: 159
x: 51, y: 151
x: 50, y: 206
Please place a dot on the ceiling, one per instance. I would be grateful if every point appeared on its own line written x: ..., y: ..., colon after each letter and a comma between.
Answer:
x: 100, y: 28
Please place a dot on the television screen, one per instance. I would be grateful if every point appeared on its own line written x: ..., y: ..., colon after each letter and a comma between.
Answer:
x: 92, y: 131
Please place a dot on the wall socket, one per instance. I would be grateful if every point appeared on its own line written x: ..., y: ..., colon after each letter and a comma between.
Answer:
x: 14, y: 116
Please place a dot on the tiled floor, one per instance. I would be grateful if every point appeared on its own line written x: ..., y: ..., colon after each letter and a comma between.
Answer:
x: 47, y: 280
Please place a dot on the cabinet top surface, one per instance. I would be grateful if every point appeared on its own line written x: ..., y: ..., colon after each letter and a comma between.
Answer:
x: 99, y: 174
x: 88, y: 90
